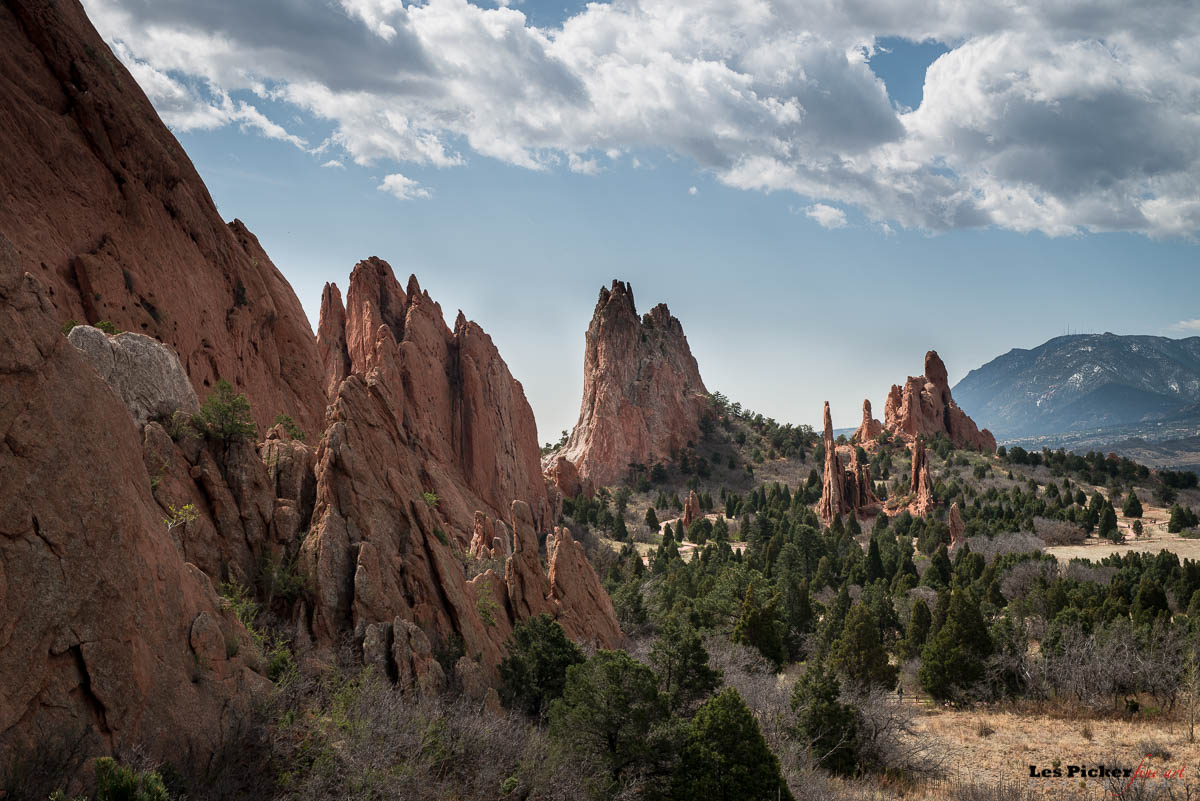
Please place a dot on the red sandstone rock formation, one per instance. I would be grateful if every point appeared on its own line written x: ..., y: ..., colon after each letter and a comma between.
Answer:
x: 920, y: 482
x: 562, y: 473
x: 106, y: 632
x: 462, y: 408
x: 107, y: 211
x: 691, y: 510
x: 111, y: 625
x: 581, y: 604
x: 426, y: 412
x: 923, y: 406
x: 642, y: 393
x: 869, y: 428
x: 860, y: 489
x: 833, y: 492
x: 958, y: 528
x: 843, y: 490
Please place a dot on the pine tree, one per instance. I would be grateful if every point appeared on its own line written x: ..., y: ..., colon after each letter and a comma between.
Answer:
x: 609, y: 707
x: 858, y: 654
x: 874, y: 562
x: 918, y: 630
x: 938, y: 574
x: 534, y: 670
x: 1108, y: 525
x: 829, y: 727
x: 651, y: 519
x: 725, y: 757
x: 953, y: 660
x: 679, y: 658
x: 760, y: 627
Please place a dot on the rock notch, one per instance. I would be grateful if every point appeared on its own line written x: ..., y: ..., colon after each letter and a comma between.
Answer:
x: 642, y: 393
x: 923, y: 407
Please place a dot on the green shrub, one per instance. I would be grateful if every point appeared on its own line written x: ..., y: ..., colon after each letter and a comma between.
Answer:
x: 289, y: 425
x: 116, y: 782
x: 225, y: 416
x: 107, y: 327
x: 67, y: 326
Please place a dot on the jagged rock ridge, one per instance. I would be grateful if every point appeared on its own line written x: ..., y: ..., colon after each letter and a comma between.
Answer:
x: 924, y: 407
x: 643, y: 397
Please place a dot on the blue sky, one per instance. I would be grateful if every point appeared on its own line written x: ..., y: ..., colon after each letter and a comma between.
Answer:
x: 791, y: 291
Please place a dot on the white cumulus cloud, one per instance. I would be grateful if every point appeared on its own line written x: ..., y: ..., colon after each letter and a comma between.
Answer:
x: 1056, y: 117
x: 403, y: 187
x: 826, y: 216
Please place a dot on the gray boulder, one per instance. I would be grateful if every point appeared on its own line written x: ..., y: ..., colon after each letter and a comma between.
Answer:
x: 146, y: 374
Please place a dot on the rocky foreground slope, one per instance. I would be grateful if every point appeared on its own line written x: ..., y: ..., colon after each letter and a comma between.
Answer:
x: 643, y: 397
x: 408, y: 519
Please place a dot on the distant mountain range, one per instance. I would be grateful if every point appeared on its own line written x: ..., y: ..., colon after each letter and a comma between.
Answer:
x: 1093, y: 383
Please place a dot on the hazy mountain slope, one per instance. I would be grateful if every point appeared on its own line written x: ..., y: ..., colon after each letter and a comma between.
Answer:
x: 1083, y: 381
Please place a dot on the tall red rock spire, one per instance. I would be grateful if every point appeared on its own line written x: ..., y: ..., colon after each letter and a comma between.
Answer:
x: 833, y: 493
x: 869, y: 428
x: 642, y: 392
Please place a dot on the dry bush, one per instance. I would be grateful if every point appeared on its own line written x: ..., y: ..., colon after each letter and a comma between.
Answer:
x: 888, y: 736
x: 1023, y: 576
x: 1082, y: 571
x: 355, y: 736
x: 1058, y: 532
x: 1002, y: 544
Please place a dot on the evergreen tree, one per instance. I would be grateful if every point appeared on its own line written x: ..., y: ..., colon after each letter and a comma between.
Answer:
x: 534, y: 671
x: 918, y: 630
x: 874, y: 562
x: 938, y: 574
x: 679, y: 658
x: 858, y: 654
x: 823, y: 722
x: 760, y: 627
x: 651, y: 519
x: 725, y: 757
x: 609, y: 707
x: 953, y: 660
x: 1133, y: 506
x: 1108, y: 525
x: 1149, y: 601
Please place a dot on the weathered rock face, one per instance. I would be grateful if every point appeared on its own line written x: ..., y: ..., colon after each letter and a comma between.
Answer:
x: 833, y: 492
x: 107, y: 211
x: 860, y: 490
x: 869, y: 428
x: 106, y: 632
x: 581, y: 604
x: 146, y: 375
x: 461, y: 407
x: 843, y: 490
x: 923, y: 407
x: 921, y: 482
x: 958, y: 529
x: 562, y: 473
x: 642, y: 393
x: 691, y: 510
x: 427, y: 433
